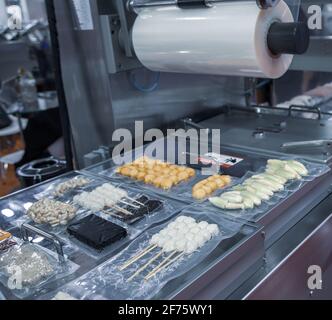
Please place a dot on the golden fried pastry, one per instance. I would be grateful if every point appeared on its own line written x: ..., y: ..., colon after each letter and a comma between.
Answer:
x: 157, y: 173
x: 207, y: 187
x: 199, y: 194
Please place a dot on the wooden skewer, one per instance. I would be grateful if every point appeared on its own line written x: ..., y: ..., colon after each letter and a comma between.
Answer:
x: 137, y: 257
x: 121, y: 210
x: 156, y: 269
x: 145, y: 266
x: 134, y: 200
x: 164, y: 266
x: 129, y: 204
x: 110, y: 213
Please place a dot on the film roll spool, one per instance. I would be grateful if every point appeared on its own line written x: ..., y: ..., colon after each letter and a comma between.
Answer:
x: 228, y: 39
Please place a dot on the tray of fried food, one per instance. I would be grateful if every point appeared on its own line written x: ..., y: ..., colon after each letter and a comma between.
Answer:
x: 205, y: 188
x: 160, y: 174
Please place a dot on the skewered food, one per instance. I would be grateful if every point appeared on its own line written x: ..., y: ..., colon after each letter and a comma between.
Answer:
x: 51, y: 212
x: 4, y: 235
x: 157, y: 173
x: 6, y: 241
x: 71, y: 184
x: 148, y: 207
x: 261, y: 187
x: 6, y: 244
x: 106, y: 196
x: 206, y: 187
x: 96, y: 232
x: 34, y: 264
x: 181, y: 237
x: 63, y: 296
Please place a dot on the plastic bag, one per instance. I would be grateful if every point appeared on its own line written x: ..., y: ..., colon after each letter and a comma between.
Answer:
x: 25, y: 268
x: 109, y: 282
x: 315, y: 170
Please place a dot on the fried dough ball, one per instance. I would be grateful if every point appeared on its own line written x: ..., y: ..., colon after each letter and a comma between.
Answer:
x: 156, y: 172
x: 174, y: 179
x: 199, y: 194
x: 125, y: 171
x: 191, y: 172
x: 220, y: 182
x: 212, y: 185
x: 167, y: 184
x: 141, y: 176
x: 183, y: 176
x: 133, y: 173
x: 226, y: 179
x: 206, y: 187
x: 149, y: 179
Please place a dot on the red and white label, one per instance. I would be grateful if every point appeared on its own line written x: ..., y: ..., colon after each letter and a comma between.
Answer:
x: 222, y: 160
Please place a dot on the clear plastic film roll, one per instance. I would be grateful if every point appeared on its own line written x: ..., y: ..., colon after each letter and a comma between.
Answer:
x: 230, y: 38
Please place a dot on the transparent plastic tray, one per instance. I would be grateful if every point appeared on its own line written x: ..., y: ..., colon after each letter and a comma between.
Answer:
x: 23, y: 201
x: 182, y: 191
x: 169, y: 208
x: 60, y: 270
x: 108, y: 282
x: 14, y: 206
x: 68, y: 249
x: 315, y: 171
x: 47, y: 190
x: 10, y: 211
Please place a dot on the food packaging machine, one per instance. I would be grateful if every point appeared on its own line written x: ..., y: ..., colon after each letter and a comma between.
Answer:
x: 111, y: 90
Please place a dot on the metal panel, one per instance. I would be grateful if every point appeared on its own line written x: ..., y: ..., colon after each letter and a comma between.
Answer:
x: 239, y: 128
x: 314, y: 250
x: 85, y: 80
x: 99, y: 103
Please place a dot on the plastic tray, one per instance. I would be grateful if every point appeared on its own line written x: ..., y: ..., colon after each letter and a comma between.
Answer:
x: 60, y: 271
x: 315, y: 171
x: 108, y: 282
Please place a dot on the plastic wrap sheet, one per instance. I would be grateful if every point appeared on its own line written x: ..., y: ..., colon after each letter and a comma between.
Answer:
x: 230, y: 38
x: 14, y: 266
x: 315, y: 171
x: 14, y: 207
x: 167, y: 208
x: 11, y: 209
x: 182, y: 191
x: 108, y: 282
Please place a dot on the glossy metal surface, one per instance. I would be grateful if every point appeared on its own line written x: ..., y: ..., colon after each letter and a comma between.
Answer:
x: 280, y: 252
x: 238, y: 127
x: 284, y: 283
